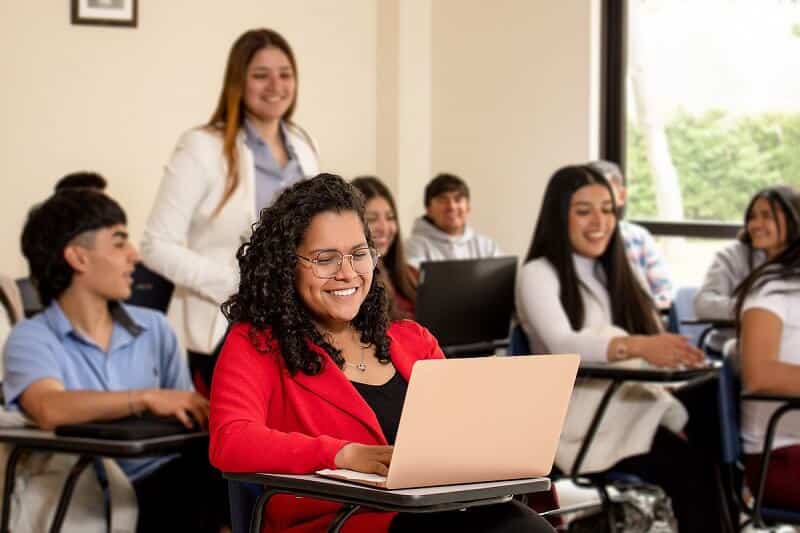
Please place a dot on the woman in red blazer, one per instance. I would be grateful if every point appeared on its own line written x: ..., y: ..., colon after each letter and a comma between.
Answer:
x: 313, y: 374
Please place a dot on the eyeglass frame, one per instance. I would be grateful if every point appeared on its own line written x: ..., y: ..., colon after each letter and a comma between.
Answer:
x: 373, y: 252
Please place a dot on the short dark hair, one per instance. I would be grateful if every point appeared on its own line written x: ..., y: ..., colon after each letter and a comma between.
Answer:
x: 444, y: 183
x: 51, y: 226
x: 82, y: 180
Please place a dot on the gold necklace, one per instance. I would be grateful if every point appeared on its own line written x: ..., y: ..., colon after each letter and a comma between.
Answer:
x: 361, y: 365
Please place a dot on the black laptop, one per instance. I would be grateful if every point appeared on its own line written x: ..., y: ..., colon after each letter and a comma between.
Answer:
x: 130, y: 428
x: 467, y: 302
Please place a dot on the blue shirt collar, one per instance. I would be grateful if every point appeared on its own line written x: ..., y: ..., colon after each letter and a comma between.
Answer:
x: 62, y: 327
x: 252, y: 138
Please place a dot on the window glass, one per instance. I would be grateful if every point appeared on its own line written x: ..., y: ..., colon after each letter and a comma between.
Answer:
x: 713, y: 110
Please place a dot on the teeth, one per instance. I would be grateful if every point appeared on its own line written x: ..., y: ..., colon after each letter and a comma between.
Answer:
x: 273, y: 99
x: 344, y: 292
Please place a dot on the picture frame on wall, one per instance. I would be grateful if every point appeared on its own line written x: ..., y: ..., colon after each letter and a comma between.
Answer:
x: 105, y: 12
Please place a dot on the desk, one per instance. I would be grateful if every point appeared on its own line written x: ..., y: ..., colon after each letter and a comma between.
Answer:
x: 711, y: 324
x: 617, y: 375
x: 475, y: 349
x: 38, y: 440
x: 423, y: 500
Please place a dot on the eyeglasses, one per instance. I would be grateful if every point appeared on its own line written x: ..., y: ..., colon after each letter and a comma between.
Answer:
x: 327, y: 263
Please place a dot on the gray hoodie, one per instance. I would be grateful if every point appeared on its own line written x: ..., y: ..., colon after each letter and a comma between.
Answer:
x: 429, y: 243
x: 714, y: 298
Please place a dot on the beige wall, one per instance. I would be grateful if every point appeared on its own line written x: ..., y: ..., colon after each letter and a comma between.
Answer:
x: 116, y: 99
x: 513, y: 100
x: 498, y: 92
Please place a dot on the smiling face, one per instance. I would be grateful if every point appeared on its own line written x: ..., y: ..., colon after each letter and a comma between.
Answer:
x: 382, y: 221
x: 103, y: 262
x: 332, y: 302
x: 270, y: 85
x: 767, y: 230
x: 449, y: 211
x: 591, y: 220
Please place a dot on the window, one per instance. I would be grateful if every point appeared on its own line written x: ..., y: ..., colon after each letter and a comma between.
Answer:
x: 703, y: 108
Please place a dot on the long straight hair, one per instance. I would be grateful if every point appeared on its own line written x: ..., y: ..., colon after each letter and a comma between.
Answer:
x: 229, y: 114
x: 779, y: 197
x: 395, y: 258
x: 632, y: 308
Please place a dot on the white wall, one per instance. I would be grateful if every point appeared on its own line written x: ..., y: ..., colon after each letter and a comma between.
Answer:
x: 500, y: 93
x: 115, y: 99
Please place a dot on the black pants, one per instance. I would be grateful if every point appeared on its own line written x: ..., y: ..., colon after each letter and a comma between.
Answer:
x: 687, y: 468
x: 511, y: 517
x: 186, y: 494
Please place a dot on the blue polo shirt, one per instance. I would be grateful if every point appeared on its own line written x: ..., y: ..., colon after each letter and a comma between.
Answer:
x: 143, y: 354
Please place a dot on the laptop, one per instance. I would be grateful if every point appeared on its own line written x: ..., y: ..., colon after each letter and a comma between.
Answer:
x: 467, y: 301
x: 129, y: 428
x: 476, y: 420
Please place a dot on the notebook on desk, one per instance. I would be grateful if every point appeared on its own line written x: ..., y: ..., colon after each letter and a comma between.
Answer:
x: 130, y: 428
x: 480, y: 419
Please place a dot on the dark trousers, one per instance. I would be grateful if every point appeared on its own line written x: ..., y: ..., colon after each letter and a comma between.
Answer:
x: 186, y: 494
x: 782, y: 489
x: 687, y: 466
x: 511, y: 517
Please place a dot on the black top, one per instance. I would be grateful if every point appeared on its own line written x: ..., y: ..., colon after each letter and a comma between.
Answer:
x: 387, y: 402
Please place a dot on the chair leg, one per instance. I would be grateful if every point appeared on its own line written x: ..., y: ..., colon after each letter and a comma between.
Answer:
x: 258, y: 510
x: 344, y: 513
x: 66, y: 493
x: 8, y: 488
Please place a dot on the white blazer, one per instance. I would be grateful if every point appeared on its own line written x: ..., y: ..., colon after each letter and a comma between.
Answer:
x: 635, y: 410
x: 186, y: 243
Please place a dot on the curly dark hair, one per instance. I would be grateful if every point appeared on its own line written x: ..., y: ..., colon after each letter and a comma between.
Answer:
x: 267, y: 296
x: 51, y: 226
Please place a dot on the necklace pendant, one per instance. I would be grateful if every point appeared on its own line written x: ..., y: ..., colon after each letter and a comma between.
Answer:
x: 362, y: 366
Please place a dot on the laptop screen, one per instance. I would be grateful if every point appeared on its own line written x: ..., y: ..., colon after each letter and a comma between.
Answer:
x: 467, y: 301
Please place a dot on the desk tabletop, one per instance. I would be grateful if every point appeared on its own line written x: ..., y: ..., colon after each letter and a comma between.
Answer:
x: 318, y: 486
x: 711, y: 322
x: 38, y: 439
x: 627, y: 373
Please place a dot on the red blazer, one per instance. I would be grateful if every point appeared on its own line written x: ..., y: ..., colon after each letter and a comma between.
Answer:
x: 264, y: 420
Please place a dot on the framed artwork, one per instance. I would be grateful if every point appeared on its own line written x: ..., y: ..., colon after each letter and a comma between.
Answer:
x: 105, y: 12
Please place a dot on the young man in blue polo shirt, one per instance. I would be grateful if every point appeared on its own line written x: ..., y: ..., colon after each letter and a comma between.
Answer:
x: 87, y: 357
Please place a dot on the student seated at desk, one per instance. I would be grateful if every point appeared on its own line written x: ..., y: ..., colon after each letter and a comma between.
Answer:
x: 769, y: 336
x: 443, y: 233
x: 313, y: 374
x: 577, y: 293
x: 397, y: 278
x: 770, y: 222
x: 87, y: 357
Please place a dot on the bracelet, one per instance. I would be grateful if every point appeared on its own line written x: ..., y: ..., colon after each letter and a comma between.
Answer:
x: 131, y: 408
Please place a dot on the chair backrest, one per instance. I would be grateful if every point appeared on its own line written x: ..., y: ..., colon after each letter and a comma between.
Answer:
x: 728, y: 398
x: 31, y: 304
x: 150, y: 289
x: 518, y: 343
x: 683, y: 309
x: 242, y: 499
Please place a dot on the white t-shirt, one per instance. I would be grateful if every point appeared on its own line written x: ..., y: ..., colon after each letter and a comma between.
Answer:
x: 783, y: 299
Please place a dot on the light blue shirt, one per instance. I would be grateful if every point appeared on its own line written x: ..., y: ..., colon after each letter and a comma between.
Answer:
x: 143, y: 354
x: 271, y: 179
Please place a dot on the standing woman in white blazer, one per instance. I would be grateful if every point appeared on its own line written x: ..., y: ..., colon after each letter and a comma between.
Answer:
x: 577, y: 293
x: 219, y: 178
